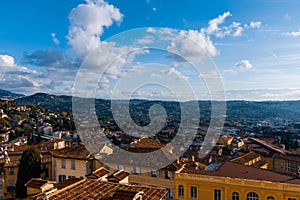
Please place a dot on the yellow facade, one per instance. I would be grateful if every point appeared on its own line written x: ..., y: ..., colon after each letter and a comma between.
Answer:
x: 206, y: 186
x: 65, y: 168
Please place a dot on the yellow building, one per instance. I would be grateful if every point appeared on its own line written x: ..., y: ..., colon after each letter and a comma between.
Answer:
x: 72, y: 162
x: 234, y: 181
x: 252, y: 159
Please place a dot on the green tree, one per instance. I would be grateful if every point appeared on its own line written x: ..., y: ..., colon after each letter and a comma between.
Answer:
x: 30, y: 167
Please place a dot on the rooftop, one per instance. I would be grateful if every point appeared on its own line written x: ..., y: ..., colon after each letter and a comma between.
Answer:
x: 237, y: 170
x: 75, y: 152
x: 36, y: 183
x: 147, y: 143
x: 264, y: 147
x: 99, y: 190
x: 246, y: 157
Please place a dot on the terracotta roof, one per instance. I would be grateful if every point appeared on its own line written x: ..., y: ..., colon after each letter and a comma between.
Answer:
x: 270, y: 148
x: 99, y: 190
x: 75, y: 152
x: 124, y: 195
x: 100, y: 172
x: 236, y: 170
x: 121, y: 175
x: 36, y: 183
x: 147, y: 143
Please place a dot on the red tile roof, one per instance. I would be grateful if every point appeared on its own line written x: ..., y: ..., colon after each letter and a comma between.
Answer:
x: 100, y: 172
x: 36, y: 183
x: 99, y: 190
x: 236, y: 170
x: 75, y: 152
x: 147, y: 143
x: 260, y: 145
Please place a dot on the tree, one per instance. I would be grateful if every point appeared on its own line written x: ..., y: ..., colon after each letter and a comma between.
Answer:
x: 30, y: 167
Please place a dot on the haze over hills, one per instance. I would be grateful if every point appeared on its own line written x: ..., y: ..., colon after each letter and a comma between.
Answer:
x: 9, y: 95
x: 236, y: 110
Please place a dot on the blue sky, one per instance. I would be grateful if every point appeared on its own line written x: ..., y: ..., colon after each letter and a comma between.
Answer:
x: 255, y: 45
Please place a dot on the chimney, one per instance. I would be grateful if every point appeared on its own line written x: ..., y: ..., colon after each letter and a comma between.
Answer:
x: 193, y: 158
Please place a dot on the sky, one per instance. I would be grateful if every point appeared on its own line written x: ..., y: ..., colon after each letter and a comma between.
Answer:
x: 153, y: 49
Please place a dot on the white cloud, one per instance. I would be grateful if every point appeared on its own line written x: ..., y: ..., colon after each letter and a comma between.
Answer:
x: 87, y: 23
x: 235, y: 29
x: 256, y: 24
x: 54, y: 39
x: 151, y: 30
x: 6, y: 60
x: 146, y: 40
x: 293, y: 33
x: 174, y: 72
x: 245, y: 65
x: 214, y: 23
x: 192, y: 45
x: 210, y: 75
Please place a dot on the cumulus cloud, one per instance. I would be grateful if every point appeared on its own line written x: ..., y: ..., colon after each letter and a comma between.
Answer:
x: 174, y: 72
x: 54, y: 39
x: 214, y: 27
x: 235, y: 29
x: 256, y: 24
x: 6, y: 60
x: 245, y: 65
x: 214, y: 23
x: 293, y: 33
x: 192, y: 45
x: 151, y: 30
x: 87, y: 23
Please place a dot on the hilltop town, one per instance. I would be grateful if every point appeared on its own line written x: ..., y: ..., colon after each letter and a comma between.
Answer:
x: 251, y: 159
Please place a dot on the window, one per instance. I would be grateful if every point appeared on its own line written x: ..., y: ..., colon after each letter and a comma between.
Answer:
x: 12, y: 183
x: 1, y: 184
x: 217, y: 194
x: 61, y: 178
x: 169, y: 194
x: 235, y: 196
x: 270, y: 198
x: 11, y: 170
x: 73, y: 164
x: 193, y: 192
x: 138, y: 170
x: 167, y: 175
x: 180, y: 190
x: 252, y: 196
x: 63, y: 164
x: 153, y: 173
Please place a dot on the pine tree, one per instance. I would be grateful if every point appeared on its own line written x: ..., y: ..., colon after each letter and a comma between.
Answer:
x: 30, y: 167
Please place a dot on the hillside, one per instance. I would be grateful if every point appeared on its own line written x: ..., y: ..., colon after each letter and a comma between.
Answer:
x: 236, y: 110
x: 9, y: 95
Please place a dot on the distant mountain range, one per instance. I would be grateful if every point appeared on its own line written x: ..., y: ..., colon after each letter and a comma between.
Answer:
x: 9, y: 95
x: 236, y: 110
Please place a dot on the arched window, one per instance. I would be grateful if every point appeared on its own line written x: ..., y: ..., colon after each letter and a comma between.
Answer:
x: 180, y: 191
x: 270, y: 198
x: 235, y: 196
x: 252, y: 196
